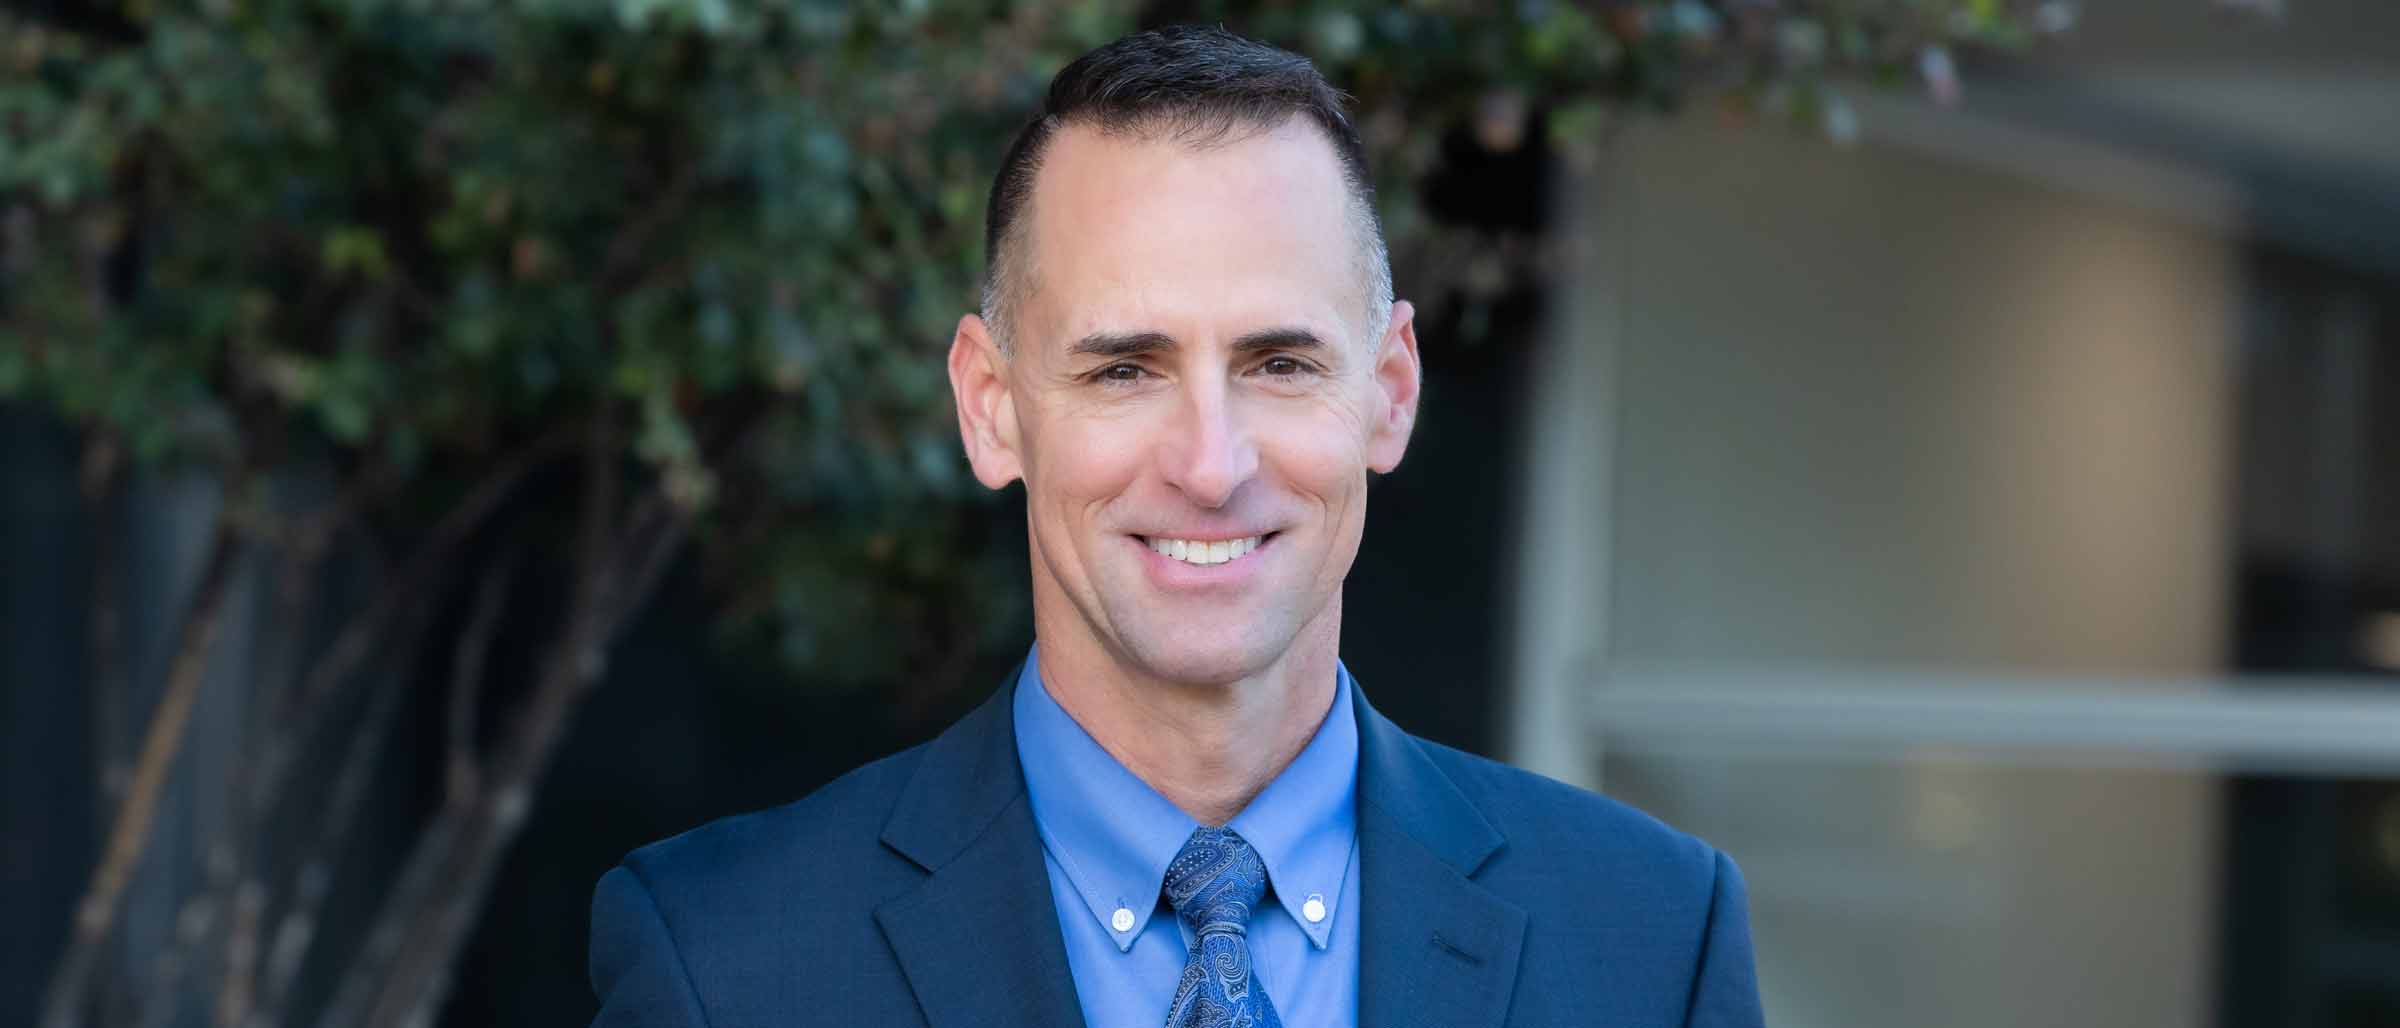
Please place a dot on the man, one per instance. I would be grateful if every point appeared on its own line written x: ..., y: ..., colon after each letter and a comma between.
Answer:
x: 1181, y: 811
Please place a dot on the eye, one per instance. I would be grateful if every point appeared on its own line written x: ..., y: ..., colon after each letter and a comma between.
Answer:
x: 1282, y: 367
x: 1121, y: 372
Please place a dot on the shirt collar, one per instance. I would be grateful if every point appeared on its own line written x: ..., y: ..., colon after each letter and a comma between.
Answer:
x: 1114, y: 836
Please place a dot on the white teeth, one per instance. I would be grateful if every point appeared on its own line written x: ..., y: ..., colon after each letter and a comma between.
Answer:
x: 1193, y: 551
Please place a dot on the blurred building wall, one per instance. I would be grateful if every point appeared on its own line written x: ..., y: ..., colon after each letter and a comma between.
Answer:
x: 1817, y: 408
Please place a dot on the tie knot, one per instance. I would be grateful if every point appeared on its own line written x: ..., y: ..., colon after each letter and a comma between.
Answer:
x: 1215, y: 881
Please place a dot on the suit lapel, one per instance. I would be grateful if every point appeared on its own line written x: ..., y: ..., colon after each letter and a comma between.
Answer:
x: 1439, y: 951
x: 979, y: 940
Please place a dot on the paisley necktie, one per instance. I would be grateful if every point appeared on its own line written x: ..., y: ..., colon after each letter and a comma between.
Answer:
x: 1214, y: 883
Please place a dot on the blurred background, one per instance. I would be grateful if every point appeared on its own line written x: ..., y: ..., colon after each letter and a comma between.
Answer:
x: 1944, y: 452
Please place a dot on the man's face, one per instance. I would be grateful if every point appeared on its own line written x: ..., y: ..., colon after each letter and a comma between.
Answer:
x: 1190, y: 373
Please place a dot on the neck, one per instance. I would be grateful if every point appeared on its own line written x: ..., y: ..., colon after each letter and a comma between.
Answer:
x: 1208, y: 747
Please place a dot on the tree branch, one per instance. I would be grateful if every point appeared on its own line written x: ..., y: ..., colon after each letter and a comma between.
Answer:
x: 101, y: 477
x: 407, y: 954
x: 447, y: 534
x: 234, y: 884
x: 288, y: 945
x: 403, y: 974
x: 466, y: 676
x: 236, y: 879
x: 631, y: 242
x: 652, y: 535
x: 463, y: 857
x: 358, y: 636
x: 97, y: 913
x: 312, y: 534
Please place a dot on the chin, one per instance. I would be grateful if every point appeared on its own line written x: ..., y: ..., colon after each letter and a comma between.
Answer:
x: 1214, y: 663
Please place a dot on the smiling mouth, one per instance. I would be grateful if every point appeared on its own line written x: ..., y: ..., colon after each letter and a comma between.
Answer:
x: 1206, y: 552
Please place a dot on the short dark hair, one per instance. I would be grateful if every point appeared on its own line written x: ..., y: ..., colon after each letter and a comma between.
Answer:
x: 1199, y: 84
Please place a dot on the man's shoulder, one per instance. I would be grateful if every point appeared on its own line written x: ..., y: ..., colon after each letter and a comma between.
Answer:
x: 828, y: 835
x: 1644, y: 923
x: 1547, y: 821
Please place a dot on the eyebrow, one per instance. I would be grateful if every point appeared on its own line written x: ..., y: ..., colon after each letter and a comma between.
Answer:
x: 1114, y: 345
x: 1121, y: 344
x: 1278, y: 339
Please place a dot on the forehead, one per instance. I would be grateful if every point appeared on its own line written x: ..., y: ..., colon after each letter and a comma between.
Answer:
x: 1138, y: 232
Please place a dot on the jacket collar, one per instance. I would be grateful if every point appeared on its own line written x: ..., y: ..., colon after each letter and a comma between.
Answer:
x: 1396, y: 776
x: 1439, y: 950
x: 966, y: 779
x: 979, y: 940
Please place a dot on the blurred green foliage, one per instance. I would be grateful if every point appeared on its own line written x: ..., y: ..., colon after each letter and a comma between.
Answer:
x: 398, y: 238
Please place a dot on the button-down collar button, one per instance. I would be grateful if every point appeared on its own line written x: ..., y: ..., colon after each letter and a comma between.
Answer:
x: 1314, y: 909
x: 1122, y: 920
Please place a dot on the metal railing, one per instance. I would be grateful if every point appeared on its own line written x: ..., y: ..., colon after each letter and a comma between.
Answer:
x: 2347, y: 725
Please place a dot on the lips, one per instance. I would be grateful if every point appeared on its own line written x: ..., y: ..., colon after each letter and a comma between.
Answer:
x: 1205, y: 552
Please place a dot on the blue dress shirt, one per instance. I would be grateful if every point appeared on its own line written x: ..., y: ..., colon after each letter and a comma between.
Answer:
x: 1107, y: 838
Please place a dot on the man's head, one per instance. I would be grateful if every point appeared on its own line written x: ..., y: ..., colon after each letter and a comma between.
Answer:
x: 1197, y: 85
x: 1188, y: 339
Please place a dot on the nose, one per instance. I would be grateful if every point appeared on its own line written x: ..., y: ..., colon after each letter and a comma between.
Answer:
x: 1209, y: 452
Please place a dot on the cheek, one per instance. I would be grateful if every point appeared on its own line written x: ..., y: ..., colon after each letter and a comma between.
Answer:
x: 1317, y: 455
x: 1077, y: 463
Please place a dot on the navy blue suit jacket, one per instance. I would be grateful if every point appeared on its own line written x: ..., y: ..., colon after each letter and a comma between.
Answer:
x: 912, y: 892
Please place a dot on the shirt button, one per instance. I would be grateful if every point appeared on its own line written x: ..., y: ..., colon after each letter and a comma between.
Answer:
x: 1122, y: 920
x: 1314, y: 909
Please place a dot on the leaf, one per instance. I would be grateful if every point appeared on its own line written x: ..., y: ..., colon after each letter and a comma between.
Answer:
x: 665, y: 438
x: 16, y: 371
x: 352, y: 249
x: 345, y: 416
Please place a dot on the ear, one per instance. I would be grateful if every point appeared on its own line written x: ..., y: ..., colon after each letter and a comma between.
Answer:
x: 987, y: 414
x: 1397, y: 378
